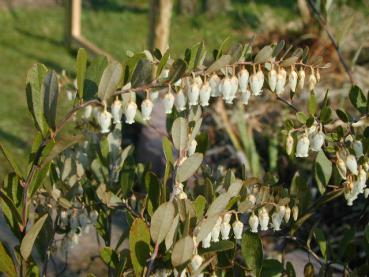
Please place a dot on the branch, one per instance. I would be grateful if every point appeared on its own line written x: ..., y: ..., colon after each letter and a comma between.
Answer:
x: 152, y: 259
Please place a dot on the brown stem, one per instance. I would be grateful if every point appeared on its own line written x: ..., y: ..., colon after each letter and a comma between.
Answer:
x: 152, y: 259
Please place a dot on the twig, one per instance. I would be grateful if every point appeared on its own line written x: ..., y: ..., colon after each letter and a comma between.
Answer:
x: 152, y: 259
x: 322, y: 22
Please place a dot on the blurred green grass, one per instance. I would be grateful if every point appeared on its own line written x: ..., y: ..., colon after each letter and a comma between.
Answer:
x: 30, y: 35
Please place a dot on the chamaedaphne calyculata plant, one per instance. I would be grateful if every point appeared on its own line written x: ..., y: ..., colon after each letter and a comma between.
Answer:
x: 197, y: 219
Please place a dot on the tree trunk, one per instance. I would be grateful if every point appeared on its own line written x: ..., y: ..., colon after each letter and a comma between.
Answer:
x: 187, y: 7
x: 160, y: 15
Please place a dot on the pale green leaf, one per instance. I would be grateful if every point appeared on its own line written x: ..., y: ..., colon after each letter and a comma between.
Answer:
x: 182, y: 251
x: 161, y: 221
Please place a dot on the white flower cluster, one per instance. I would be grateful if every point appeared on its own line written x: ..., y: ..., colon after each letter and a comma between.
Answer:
x: 197, y: 90
x: 312, y: 139
x: 355, y: 175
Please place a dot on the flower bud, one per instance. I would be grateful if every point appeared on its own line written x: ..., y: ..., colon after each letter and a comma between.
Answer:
x: 276, y: 221
x: 104, y: 120
x: 215, y: 232
x: 237, y: 229
x: 116, y: 111
x: 289, y: 143
x: 205, y: 94
x: 180, y: 101
x: 196, y: 262
x: 357, y: 145
x: 225, y: 228
x: 302, y: 148
x: 254, y: 223
x: 287, y: 214
x: 293, y: 80
x: 312, y: 81
x: 272, y: 79
x: 243, y: 79
x: 263, y: 219
x: 301, y: 80
x: 193, y: 94
x: 192, y: 147
x: 226, y: 89
x: 317, y: 141
x: 168, y: 102
x: 87, y: 112
x: 206, y: 241
x: 214, y: 82
x: 130, y: 112
x: 146, y: 109
x: 245, y: 96
x: 351, y: 164
x: 295, y: 212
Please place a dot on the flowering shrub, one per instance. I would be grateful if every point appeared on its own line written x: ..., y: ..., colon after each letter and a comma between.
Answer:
x: 193, y: 220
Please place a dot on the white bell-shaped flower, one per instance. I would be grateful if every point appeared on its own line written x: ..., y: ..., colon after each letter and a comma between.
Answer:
x: 214, y: 82
x: 180, y: 101
x: 87, y: 112
x: 237, y: 229
x: 227, y: 218
x: 260, y: 75
x: 361, y: 180
x: 272, y: 79
x: 226, y: 88
x: 245, y: 96
x: 276, y: 221
x: 301, y: 79
x: 279, y: 89
x: 350, y: 193
x: 366, y: 193
x: 357, y: 145
x: 205, y: 94
x: 295, y: 212
x: 104, y: 120
x: 215, y: 232
x: 196, y: 262
x: 351, y: 164
x: 130, y: 112
x: 302, y: 148
x: 289, y: 143
x: 198, y: 81
x: 234, y: 89
x: 254, y: 84
x: 317, y: 141
x: 71, y: 94
x: 146, y: 109
x: 225, y: 228
x: 312, y: 81
x: 287, y: 214
x: 281, y: 210
x: 243, y: 79
x: 117, y: 111
x: 254, y: 223
x: 292, y: 79
x: 251, y: 198
x: 192, y: 147
x: 263, y: 219
x: 193, y: 94
x: 168, y: 102
x: 206, y: 241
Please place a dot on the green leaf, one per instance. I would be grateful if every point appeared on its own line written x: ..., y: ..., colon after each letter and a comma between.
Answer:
x: 366, y: 232
x: 196, y: 54
x: 110, y: 79
x: 168, y: 150
x: 312, y: 104
x: 142, y: 73
x: 7, y: 265
x: 50, y: 91
x: 322, y: 242
x: 322, y: 171
x: 161, y: 221
x: 343, y: 115
x: 271, y: 268
x: 153, y: 192
x: 169, y: 238
x: 218, y: 64
x: 302, y: 117
x: 189, y: 167
x: 219, y: 246
x: 290, y: 270
x: 358, y: 99
x: 9, y: 157
x: 177, y: 70
x: 109, y: 256
x: 252, y: 252
x: 325, y: 115
x: 163, y: 62
x: 35, y: 97
x: 180, y: 133
x: 219, y: 204
x: 199, y: 205
x: 264, y: 54
x: 81, y: 66
x: 278, y: 48
x: 11, y: 214
x: 30, y: 237
x: 289, y: 61
x: 139, y: 245
x: 182, y: 251
x: 93, y: 75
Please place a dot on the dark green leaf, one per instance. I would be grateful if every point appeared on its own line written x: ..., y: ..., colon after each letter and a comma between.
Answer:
x: 358, y: 99
x: 252, y: 252
x: 271, y: 268
x: 312, y: 104
x: 142, y: 73
x: 50, y: 92
x: 168, y: 150
x: 162, y: 63
x: 219, y: 246
x: 81, y: 70
x: 325, y: 115
x: 301, y: 117
x: 93, y: 76
x: 290, y: 270
x: 278, y: 48
x: 343, y: 115
x: 109, y: 256
x: 220, y: 63
x: 7, y: 265
x: 320, y: 238
x: 9, y: 157
x: 177, y: 70
x: 322, y: 171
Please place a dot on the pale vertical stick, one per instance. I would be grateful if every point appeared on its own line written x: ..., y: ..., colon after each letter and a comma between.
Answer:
x: 76, y: 18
